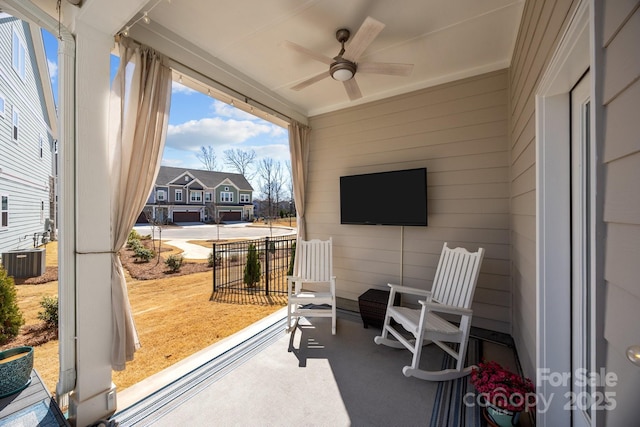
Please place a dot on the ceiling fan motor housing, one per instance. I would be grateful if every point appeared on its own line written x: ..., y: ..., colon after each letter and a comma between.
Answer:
x: 342, y: 69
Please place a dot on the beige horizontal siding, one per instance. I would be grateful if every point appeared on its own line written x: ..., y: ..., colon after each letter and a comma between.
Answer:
x: 620, y: 22
x: 458, y: 131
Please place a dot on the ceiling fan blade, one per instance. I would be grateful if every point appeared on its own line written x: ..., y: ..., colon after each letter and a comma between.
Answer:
x: 311, y: 80
x: 367, y: 32
x: 352, y: 88
x: 317, y: 56
x: 385, y: 68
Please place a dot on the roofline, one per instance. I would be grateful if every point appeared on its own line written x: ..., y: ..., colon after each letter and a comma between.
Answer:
x: 45, y: 78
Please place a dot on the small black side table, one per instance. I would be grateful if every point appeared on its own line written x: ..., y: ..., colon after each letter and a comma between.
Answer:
x: 373, y: 307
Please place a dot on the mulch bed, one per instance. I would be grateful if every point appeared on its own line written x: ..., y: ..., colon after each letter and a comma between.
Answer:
x: 33, y: 336
x: 50, y: 274
x: 156, y: 268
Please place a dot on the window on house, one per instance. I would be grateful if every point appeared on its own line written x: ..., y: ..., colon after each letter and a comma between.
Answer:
x: 178, y: 195
x: 186, y: 179
x: 244, y: 198
x: 41, y: 212
x: 18, y: 55
x: 161, y: 195
x: 226, y: 188
x: 196, y: 196
x: 207, y: 196
x: 4, y: 211
x: 226, y: 196
x: 16, y: 123
x: 41, y: 146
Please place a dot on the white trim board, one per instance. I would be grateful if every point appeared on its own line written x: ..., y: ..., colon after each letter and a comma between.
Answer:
x: 553, y: 237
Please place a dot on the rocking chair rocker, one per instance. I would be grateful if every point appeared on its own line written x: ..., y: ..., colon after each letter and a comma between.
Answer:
x: 452, y: 293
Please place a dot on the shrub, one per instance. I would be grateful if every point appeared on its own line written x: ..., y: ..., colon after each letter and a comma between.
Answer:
x: 11, y: 318
x: 292, y: 260
x: 174, y: 262
x: 134, y: 235
x: 213, y: 260
x: 143, y: 254
x: 50, y: 313
x: 252, y: 268
x: 134, y: 244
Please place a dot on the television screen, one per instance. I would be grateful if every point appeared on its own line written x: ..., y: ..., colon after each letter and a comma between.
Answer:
x: 384, y: 198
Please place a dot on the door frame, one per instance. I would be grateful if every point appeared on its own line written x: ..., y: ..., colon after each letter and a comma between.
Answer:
x: 570, y: 61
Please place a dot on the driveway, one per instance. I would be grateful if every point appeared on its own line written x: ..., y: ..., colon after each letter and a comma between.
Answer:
x: 179, y: 235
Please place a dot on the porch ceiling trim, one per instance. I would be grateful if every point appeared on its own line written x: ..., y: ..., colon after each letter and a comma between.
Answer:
x: 221, y: 76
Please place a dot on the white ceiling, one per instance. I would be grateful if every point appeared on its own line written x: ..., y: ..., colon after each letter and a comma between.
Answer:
x: 445, y: 39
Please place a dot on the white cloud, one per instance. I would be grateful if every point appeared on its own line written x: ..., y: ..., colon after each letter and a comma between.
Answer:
x: 177, y: 87
x: 217, y: 132
x: 230, y: 128
x: 222, y: 109
x: 53, y: 69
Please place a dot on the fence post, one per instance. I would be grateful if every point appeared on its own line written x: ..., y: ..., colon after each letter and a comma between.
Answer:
x: 214, y: 267
x: 266, y: 266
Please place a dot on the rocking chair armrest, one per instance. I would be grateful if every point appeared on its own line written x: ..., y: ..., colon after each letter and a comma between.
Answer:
x: 443, y: 308
x: 408, y: 290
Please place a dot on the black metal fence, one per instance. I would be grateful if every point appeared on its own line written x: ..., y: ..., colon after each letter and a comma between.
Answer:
x: 275, y: 257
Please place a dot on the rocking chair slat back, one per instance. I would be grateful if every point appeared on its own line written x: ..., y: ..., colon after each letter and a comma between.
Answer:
x: 314, y: 260
x: 457, y: 272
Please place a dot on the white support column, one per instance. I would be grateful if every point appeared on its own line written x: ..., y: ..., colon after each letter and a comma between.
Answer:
x: 94, y: 395
x: 67, y: 215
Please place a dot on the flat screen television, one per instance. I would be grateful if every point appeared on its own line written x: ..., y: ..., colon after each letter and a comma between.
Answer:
x: 385, y: 198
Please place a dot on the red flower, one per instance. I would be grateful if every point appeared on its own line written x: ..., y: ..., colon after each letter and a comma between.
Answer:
x: 502, y: 388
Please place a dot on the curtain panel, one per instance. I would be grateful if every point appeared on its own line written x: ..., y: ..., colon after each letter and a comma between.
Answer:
x: 138, y: 117
x: 299, y: 147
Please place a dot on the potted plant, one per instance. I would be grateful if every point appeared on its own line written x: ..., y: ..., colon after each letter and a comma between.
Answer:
x: 505, y: 394
x: 15, y: 369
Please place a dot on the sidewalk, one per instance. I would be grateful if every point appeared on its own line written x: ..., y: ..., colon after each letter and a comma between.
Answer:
x: 190, y: 250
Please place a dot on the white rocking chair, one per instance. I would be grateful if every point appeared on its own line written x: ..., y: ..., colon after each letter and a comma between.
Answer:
x: 452, y: 293
x: 313, y: 266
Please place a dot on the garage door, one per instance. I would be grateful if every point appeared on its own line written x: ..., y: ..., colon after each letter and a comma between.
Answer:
x: 142, y: 219
x: 231, y: 216
x: 186, y: 217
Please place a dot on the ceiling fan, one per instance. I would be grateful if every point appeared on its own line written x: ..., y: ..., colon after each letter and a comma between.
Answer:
x: 344, y: 66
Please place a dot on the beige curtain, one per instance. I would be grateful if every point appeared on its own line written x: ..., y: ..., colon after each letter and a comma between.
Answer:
x: 299, y: 146
x: 138, y: 117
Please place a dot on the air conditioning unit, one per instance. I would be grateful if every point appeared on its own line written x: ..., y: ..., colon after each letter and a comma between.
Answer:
x: 25, y: 263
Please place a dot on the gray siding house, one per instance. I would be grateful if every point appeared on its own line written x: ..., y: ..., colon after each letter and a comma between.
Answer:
x: 27, y: 136
x: 193, y: 195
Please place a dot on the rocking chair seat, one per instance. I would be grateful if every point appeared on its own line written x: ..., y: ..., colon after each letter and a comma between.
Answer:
x: 409, y: 318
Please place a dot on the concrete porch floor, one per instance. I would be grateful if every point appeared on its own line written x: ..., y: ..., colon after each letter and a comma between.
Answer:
x: 265, y: 376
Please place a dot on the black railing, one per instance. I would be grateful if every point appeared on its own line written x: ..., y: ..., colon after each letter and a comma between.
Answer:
x: 274, y: 257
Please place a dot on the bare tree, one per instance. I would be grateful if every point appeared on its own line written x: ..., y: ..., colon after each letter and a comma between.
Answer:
x: 154, y: 222
x: 240, y: 161
x: 212, y: 213
x: 270, y: 172
x: 207, y: 157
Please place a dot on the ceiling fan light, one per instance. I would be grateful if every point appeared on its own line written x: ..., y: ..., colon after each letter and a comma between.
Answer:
x: 342, y: 70
x: 342, y: 75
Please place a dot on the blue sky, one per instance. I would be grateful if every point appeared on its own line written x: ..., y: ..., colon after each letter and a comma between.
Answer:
x: 197, y: 120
